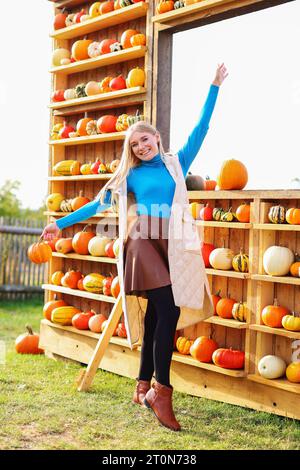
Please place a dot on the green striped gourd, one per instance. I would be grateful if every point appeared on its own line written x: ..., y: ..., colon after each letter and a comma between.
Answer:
x: 80, y: 90
x: 179, y: 4
x: 94, y: 283
x: 240, y: 263
x: 125, y: 3
x: 67, y: 168
x: 133, y: 119
x: 227, y: 216
x: 276, y: 215
x: 239, y: 311
x: 217, y: 213
x: 63, y: 315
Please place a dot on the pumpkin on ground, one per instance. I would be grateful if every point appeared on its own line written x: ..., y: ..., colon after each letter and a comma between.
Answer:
x: 39, y: 252
x: 28, y: 343
x: 183, y: 345
x: 224, y: 307
x: 202, y: 349
x: 272, y: 315
x: 277, y: 260
x: 233, y: 175
x: 229, y: 358
x: 291, y: 322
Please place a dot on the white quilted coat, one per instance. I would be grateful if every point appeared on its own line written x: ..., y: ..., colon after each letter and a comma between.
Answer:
x: 189, y: 281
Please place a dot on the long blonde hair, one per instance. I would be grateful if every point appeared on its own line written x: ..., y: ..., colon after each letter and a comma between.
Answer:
x: 128, y: 161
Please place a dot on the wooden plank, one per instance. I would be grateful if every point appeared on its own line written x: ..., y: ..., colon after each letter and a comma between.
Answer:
x: 282, y: 227
x: 276, y: 331
x: 239, y: 225
x: 245, y: 194
x: 112, y: 58
x: 98, y: 259
x: 277, y: 279
x: 79, y: 293
x: 87, y: 377
x: 282, y: 384
x: 106, y: 20
x: 89, y: 139
x: 188, y: 10
x: 127, y: 92
x: 98, y: 216
x: 82, y: 178
x: 227, y: 322
x: 177, y: 357
x: 234, y: 274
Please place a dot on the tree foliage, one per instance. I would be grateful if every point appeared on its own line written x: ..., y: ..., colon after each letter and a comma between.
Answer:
x: 11, y: 206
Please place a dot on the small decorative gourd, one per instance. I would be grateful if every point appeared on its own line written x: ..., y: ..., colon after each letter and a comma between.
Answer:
x: 217, y: 213
x: 117, y: 46
x: 183, y: 345
x: 91, y: 127
x: 240, y: 262
x: 276, y: 215
x: 239, y: 311
x: 122, y: 123
x: 66, y: 205
x: 80, y: 90
x: 179, y: 4
x: 227, y: 216
x: 133, y: 119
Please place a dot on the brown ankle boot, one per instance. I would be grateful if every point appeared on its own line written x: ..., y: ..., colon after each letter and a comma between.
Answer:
x: 141, y: 389
x: 159, y: 398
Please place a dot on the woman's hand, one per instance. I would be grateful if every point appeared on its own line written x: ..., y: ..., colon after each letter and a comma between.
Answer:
x: 50, y: 231
x: 221, y: 74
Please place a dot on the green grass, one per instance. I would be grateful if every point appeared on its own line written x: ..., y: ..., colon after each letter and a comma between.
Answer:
x: 40, y: 408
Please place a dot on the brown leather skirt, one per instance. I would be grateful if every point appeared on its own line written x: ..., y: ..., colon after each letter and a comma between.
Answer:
x: 146, y: 264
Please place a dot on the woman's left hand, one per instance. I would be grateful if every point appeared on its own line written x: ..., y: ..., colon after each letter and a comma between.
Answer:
x: 221, y: 74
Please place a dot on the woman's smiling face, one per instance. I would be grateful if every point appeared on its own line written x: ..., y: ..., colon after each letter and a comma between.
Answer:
x: 144, y: 145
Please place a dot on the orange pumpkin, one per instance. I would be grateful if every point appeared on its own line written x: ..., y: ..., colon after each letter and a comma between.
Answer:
x: 80, y: 285
x: 107, y: 124
x: 71, y: 279
x: 243, y: 213
x: 229, y: 358
x: 117, y: 4
x: 64, y: 245
x: 272, y: 315
x: 202, y: 349
x: 224, y: 307
x: 39, y: 252
x: 233, y: 175
x: 57, y: 277
x: 183, y: 345
x: 79, y: 201
x: 105, y: 44
x: 292, y: 216
x: 81, y: 240
x: 106, y: 7
x: 293, y: 372
x: 104, y: 85
x: 295, y: 269
x: 51, y: 305
x: 115, y: 287
x: 28, y: 343
x: 209, y: 185
x: 81, y: 126
x: 126, y: 36
x: 164, y: 6
x: 80, y: 49
x: 215, y: 298
x: 138, y: 40
x: 121, y: 330
x: 95, y: 322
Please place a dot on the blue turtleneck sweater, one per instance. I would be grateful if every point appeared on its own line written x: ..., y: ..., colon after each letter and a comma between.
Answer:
x: 151, y: 182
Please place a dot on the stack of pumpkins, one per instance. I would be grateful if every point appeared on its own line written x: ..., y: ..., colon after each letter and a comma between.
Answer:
x: 224, y: 258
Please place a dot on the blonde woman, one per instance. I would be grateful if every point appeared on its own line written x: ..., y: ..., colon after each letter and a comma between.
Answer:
x: 153, y: 256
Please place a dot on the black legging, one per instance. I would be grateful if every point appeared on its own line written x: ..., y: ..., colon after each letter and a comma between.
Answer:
x: 160, y: 325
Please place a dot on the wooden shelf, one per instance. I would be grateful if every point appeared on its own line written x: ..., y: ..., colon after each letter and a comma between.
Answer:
x: 165, y: 18
x: 105, y: 176
x: 284, y: 384
x: 186, y: 359
x: 107, y: 20
x: 89, y: 139
x: 245, y: 194
x: 98, y: 216
x: 275, y: 331
x: 67, y: 3
x: 79, y: 293
x: 98, y: 259
x: 278, y: 279
x: 283, y: 227
x: 125, y: 55
x: 224, y: 273
x: 98, y: 98
x: 227, y: 322
x: 241, y: 225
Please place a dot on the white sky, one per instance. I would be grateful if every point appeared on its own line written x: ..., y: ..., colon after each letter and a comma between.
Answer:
x: 256, y: 119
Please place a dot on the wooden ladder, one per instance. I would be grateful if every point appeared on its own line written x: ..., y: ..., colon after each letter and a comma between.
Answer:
x: 87, y: 375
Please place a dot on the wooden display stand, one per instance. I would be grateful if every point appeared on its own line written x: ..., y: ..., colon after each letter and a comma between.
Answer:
x: 241, y: 387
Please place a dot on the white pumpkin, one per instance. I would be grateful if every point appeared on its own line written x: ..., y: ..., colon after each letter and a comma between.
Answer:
x: 59, y: 54
x: 221, y: 258
x: 277, y: 260
x: 70, y: 94
x: 271, y: 367
x: 97, y: 245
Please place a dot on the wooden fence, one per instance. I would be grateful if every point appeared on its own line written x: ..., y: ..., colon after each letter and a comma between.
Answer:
x: 19, y: 277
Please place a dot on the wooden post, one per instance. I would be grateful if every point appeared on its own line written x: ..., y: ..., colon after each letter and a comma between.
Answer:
x: 86, y: 377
